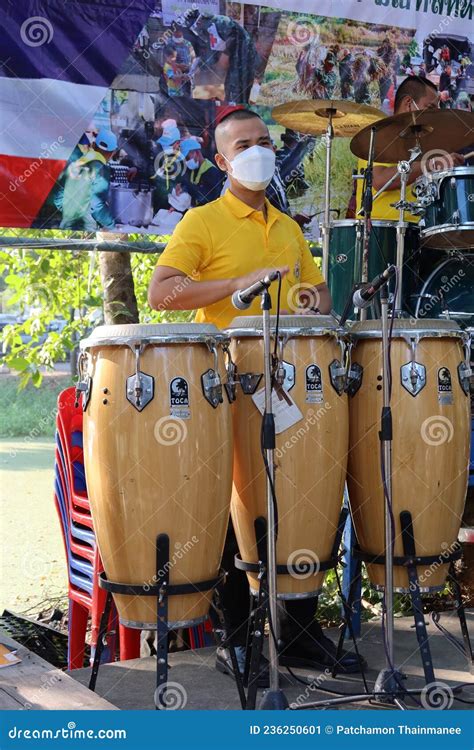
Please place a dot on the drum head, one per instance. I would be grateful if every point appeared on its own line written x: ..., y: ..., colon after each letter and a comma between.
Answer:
x: 296, y: 325
x: 138, y: 333
x: 403, y: 328
x: 448, y: 291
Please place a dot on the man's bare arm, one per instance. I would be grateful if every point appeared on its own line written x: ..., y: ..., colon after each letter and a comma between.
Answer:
x: 171, y: 289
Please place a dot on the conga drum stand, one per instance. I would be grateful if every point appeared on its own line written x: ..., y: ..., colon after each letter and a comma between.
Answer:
x: 161, y: 589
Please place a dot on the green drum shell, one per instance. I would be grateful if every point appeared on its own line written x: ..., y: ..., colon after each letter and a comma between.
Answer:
x: 344, y: 268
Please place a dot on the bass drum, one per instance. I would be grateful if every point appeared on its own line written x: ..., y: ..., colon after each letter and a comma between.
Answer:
x: 344, y: 269
x: 448, y: 291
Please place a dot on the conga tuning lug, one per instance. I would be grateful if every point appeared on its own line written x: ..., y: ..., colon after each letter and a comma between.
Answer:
x: 249, y: 382
x: 464, y: 375
x: 212, y: 387
x: 413, y: 377
x: 84, y: 387
x: 354, y: 378
x: 140, y: 389
x: 337, y: 376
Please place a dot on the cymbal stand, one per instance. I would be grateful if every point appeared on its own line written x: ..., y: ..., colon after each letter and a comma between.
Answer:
x: 326, y: 225
x: 403, y: 171
x: 367, y: 203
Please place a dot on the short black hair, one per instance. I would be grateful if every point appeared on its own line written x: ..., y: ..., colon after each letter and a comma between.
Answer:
x: 415, y: 87
x: 236, y: 114
x: 239, y: 114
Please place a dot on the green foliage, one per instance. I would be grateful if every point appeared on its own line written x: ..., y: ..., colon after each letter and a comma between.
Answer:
x: 58, y: 297
x: 31, y: 413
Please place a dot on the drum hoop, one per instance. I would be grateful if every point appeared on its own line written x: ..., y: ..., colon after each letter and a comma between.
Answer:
x: 133, y: 341
x: 241, y: 333
x: 442, y: 228
x: 443, y: 174
x: 406, y: 333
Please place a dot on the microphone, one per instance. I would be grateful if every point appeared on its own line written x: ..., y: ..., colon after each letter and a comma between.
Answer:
x: 364, y: 296
x: 242, y: 298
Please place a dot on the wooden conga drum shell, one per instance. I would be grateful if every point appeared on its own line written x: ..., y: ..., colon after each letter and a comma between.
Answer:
x: 150, y: 473
x: 430, y: 451
x: 310, y: 456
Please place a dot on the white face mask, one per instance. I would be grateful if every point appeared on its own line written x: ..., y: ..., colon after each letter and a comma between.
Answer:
x: 254, y: 167
x: 192, y: 163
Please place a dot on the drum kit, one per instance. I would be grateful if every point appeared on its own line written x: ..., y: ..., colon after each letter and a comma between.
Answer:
x: 355, y: 250
x: 174, y: 439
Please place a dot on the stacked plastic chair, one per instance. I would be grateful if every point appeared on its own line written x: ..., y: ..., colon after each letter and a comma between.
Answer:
x: 86, y: 599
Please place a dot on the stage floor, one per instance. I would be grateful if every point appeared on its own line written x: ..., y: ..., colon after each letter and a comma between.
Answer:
x: 130, y: 684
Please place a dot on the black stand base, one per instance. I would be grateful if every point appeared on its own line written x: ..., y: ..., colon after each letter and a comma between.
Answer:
x: 161, y: 590
x: 273, y: 700
x: 388, y: 686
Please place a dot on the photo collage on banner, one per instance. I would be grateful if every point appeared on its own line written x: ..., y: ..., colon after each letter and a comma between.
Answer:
x: 146, y: 156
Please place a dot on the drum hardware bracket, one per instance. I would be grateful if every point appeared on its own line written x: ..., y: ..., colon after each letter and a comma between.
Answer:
x: 230, y: 386
x: 413, y: 377
x: 161, y: 589
x: 285, y: 374
x: 84, y: 384
x: 249, y: 382
x: 337, y: 376
x: 210, y: 380
x: 354, y: 378
x: 212, y: 387
x: 140, y: 388
x: 464, y: 375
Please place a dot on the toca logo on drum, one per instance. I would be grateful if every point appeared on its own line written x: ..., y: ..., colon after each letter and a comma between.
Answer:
x: 445, y: 387
x: 314, y: 384
x: 179, y: 398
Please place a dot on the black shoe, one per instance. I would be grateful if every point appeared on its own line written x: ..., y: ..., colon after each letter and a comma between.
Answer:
x: 224, y: 664
x: 307, y: 652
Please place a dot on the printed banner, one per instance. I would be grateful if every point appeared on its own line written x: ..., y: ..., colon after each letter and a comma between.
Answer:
x: 107, y: 111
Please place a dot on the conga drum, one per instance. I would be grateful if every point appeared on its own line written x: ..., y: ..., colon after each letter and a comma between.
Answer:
x: 158, y: 459
x: 430, y: 450
x: 310, y: 455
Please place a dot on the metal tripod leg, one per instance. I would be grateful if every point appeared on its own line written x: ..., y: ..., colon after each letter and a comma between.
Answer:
x: 409, y: 549
x: 104, y: 621
x: 462, y: 618
x: 227, y: 643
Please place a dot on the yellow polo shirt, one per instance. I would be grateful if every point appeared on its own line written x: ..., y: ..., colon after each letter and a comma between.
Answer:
x: 227, y: 238
x: 381, y: 208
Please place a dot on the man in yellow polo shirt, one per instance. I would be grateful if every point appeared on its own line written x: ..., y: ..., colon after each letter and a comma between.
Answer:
x: 237, y: 239
x: 215, y: 250
x: 413, y: 94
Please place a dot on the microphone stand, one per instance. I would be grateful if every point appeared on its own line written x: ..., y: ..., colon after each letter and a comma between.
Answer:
x: 273, y: 699
x: 389, y: 680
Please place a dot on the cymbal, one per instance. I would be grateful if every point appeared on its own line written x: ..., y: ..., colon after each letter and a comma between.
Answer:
x: 310, y: 116
x: 435, y: 129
